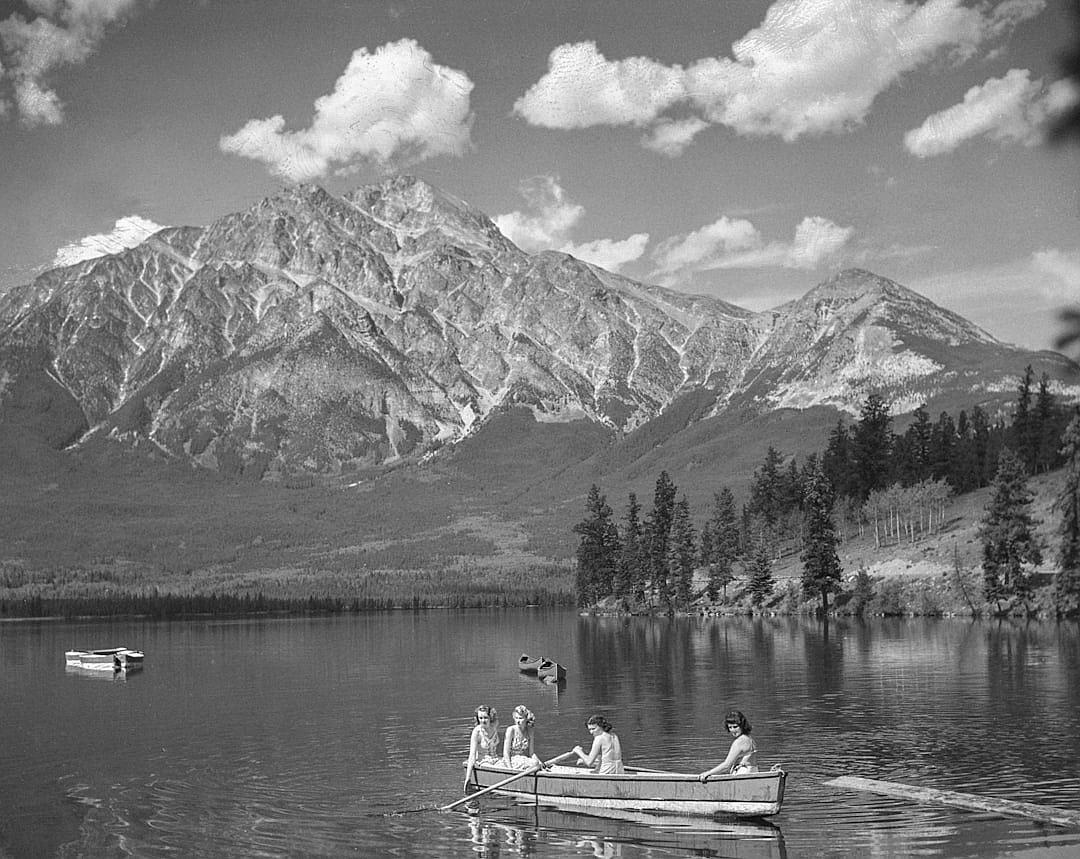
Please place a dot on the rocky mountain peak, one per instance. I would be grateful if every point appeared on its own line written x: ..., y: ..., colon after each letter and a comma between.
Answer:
x: 323, y: 332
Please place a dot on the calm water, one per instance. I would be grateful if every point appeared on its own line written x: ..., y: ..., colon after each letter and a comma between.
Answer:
x: 311, y: 737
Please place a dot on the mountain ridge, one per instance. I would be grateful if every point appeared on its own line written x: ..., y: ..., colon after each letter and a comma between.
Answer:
x: 338, y: 334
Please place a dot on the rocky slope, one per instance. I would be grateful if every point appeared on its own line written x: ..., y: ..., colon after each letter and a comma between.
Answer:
x: 314, y: 332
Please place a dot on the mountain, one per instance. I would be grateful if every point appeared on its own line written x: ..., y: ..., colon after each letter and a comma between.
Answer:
x: 340, y: 334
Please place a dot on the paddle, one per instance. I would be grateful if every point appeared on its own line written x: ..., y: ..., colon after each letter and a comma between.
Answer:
x: 505, y: 781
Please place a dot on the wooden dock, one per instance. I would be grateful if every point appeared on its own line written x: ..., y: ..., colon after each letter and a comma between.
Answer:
x: 1006, y: 807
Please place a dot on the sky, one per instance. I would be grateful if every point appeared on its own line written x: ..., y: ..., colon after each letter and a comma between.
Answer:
x: 744, y: 149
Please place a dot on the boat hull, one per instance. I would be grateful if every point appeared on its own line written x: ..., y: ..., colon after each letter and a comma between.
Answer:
x: 744, y: 794
x: 529, y: 664
x: 104, y: 660
x: 549, y: 670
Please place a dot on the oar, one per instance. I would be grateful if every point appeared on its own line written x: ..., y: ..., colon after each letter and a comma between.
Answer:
x: 505, y: 781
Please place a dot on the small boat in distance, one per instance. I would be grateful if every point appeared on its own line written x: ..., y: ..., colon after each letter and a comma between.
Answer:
x: 551, y: 671
x: 109, y: 659
x: 529, y: 664
x: 757, y: 794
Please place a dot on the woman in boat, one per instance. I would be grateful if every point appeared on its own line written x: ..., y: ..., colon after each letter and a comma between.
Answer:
x: 518, y: 751
x: 740, y: 758
x: 484, y: 741
x: 606, y: 754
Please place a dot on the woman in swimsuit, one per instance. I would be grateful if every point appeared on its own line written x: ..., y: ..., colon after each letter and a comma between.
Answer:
x: 518, y: 751
x: 484, y: 741
x: 606, y: 752
x: 740, y: 758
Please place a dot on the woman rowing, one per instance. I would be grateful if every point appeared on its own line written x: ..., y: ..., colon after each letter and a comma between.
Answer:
x: 605, y: 756
x: 740, y: 758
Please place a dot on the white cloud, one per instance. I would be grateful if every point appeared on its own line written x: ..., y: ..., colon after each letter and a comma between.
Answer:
x: 64, y: 33
x: 1012, y: 109
x: 811, y: 67
x: 736, y: 243
x: 127, y: 233
x: 550, y: 218
x: 582, y: 88
x: 609, y: 253
x: 671, y: 137
x: 396, y: 104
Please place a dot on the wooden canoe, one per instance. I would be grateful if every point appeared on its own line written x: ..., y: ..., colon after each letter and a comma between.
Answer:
x: 550, y: 670
x: 744, y: 794
x: 529, y: 664
x: 109, y: 658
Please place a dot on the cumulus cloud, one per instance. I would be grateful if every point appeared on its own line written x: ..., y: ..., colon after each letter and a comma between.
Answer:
x: 1011, y: 109
x: 811, y: 67
x: 394, y: 105
x: 582, y: 88
x: 549, y: 219
x: 63, y: 33
x: 126, y: 233
x: 736, y: 243
x: 610, y: 253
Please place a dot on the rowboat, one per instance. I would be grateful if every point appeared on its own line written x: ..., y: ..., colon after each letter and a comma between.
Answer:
x: 757, y: 794
x: 550, y: 670
x: 529, y: 664
x: 109, y: 659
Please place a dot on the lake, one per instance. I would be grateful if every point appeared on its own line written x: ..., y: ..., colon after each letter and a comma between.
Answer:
x: 336, y: 736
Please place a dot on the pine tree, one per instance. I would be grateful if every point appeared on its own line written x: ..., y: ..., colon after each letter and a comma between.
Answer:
x: 631, y: 572
x: 598, y: 551
x: 683, y: 552
x: 760, y: 582
x: 821, y: 564
x: 871, y: 447
x: 1008, y: 535
x: 721, y: 549
x: 1067, y: 580
x: 1024, y: 434
x: 658, y: 536
x: 837, y: 460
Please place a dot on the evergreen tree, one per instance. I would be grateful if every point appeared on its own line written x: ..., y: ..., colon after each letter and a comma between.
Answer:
x: 1050, y: 423
x: 942, y: 447
x: 720, y: 550
x: 631, y: 573
x: 767, y: 493
x: 683, y: 553
x: 598, y: 551
x: 1067, y: 580
x: 915, y: 465
x: 1008, y: 535
x: 871, y: 446
x: 821, y: 564
x: 760, y: 582
x: 837, y: 460
x: 658, y: 536
x: 1025, y: 433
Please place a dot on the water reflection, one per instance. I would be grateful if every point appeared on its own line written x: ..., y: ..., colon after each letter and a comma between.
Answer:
x: 525, y: 830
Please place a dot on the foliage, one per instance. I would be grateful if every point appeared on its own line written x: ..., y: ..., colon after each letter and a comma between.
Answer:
x: 720, y: 542
x: 1008, y: 536
x: 821, y: 564
x: 598, y: 552
x: 760, y: 582
x: 682, y: 553
x: 1067, y: 580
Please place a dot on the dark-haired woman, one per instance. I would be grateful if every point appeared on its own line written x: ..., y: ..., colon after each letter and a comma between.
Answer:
x: 484, y: 741
x: 605, y: 756
x: 740, y: 758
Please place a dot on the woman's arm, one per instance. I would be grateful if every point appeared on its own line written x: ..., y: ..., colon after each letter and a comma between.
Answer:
x: 738, y: 748
x: 474, y: 743
x: 589, y: 759
x: 506, y: 746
